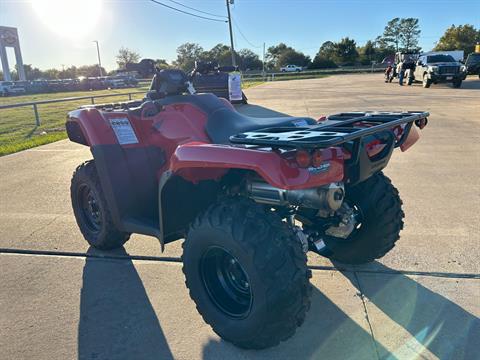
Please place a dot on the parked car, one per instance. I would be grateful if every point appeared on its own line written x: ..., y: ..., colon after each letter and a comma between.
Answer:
x: 8, y: 88
x: 129, y: 80
x: 438, y: 68
x: 473, y: 64
x: 291, y: 68
x: 114, y: 82
x: 38, y: 86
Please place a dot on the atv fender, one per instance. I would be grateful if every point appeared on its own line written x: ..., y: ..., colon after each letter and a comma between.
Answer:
x: 197, y: 161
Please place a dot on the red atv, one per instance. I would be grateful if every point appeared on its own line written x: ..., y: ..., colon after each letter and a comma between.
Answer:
x: 250, y: 196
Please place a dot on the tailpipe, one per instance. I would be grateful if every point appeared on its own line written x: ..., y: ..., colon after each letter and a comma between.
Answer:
x: 328, y: 198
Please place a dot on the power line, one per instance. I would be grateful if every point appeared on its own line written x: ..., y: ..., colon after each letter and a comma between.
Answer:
x: 243, y: 36
x: 200, y: 11
x: 186, y: 12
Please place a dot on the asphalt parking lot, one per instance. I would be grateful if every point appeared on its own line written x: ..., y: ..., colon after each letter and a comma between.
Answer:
x: 61, y: 300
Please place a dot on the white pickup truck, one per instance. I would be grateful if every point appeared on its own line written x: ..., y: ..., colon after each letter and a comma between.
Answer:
x: 291, y: 68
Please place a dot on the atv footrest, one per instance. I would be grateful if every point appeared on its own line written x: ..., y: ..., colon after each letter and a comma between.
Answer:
x: 336, y: 130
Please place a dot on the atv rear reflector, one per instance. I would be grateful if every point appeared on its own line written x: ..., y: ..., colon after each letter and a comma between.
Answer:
x: 303, y: 158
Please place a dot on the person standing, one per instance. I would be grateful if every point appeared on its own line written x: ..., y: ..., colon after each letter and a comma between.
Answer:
x: 401, y: 72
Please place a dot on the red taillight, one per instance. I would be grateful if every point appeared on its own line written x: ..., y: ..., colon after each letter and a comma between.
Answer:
x: 317, y: 158
x: 303, y: 158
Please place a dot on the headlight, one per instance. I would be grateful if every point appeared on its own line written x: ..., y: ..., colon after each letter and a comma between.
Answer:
x: 463, y: 68
x: 433, y: 68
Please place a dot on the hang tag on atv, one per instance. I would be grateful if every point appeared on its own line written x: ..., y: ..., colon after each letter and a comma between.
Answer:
x: 123, y: 131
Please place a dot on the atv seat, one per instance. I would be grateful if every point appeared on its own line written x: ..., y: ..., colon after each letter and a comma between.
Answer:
x: 224, y: 121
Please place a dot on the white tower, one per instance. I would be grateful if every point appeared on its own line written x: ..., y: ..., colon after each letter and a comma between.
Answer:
x: 9, y: 38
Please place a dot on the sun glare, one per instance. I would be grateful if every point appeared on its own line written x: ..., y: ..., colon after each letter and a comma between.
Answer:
x: 69, y: 18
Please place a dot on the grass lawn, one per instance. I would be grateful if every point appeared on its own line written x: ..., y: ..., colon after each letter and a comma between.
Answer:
x: 248, y: 84
x: 17, y: 126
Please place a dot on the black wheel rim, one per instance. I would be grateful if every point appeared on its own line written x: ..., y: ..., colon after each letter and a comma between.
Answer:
x: 89, y: 208
x: 226, y: 282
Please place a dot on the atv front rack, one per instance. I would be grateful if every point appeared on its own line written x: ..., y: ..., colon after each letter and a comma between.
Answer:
x: 338, y: 129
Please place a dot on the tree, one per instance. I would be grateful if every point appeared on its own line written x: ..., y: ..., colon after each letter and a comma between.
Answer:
x: 89, y: 70
x: 162, y: 64
x: 31, y: 73
x: 220, y: 54
x: 281, y: 55
x: 409, y: 35
x: 50, y: 74
x: 391, y: 34
x: 368, y: 51
x: 187, y: 54
x: 320, y: 62
x: 327, y: 50
x: 400, y: 35
x: 125, y: 56
x: 345, y: 51
x: 71, y: 73
x: 293, y: 57
x: 462, y: 37
x: 273, y: 53
x: 248, y: 60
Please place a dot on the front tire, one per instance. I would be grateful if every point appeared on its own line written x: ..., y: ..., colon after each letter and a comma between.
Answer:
x: 457, y: 84
x: 91, y: 209
x: 247, y: 274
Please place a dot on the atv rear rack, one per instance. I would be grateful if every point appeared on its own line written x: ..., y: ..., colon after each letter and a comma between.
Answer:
x: 338, y: 129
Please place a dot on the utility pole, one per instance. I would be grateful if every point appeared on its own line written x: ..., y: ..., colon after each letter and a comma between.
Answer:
x: 263, y: 62
x: 232, y: 49
x: 99, y: 62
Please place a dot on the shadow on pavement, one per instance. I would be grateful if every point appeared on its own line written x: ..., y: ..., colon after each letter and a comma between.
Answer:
x: 117, y: 320
x: 440, y: 325
x: 328, y: 333
x: 471, y: 85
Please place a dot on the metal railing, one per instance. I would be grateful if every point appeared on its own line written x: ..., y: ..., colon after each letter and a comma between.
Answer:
x: 305, y: 74
x: 92, y: 98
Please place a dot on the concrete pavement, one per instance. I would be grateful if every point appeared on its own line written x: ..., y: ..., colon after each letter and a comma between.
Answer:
x: 422, y: 299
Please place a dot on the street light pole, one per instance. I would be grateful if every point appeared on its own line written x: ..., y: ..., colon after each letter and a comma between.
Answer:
x: 263, y: 62
x: 99, y: 62
x: 232, y: 49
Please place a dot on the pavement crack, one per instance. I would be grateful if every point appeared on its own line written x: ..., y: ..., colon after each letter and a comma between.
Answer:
x: 43, y: 226
x: 362, y: 297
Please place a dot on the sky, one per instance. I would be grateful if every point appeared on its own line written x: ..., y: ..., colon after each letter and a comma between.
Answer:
x: 56, y: 33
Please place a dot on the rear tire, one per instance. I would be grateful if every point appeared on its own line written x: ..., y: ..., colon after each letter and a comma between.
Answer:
x: 381, y: 222
x: 241, y: 237
x: 91, y: 209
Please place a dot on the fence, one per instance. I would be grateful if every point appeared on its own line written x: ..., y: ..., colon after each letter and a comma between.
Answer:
x: 35, y: 104
x: 305, y: 74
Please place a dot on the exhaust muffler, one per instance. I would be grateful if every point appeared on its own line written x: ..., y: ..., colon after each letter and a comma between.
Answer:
x: 327, y: 198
